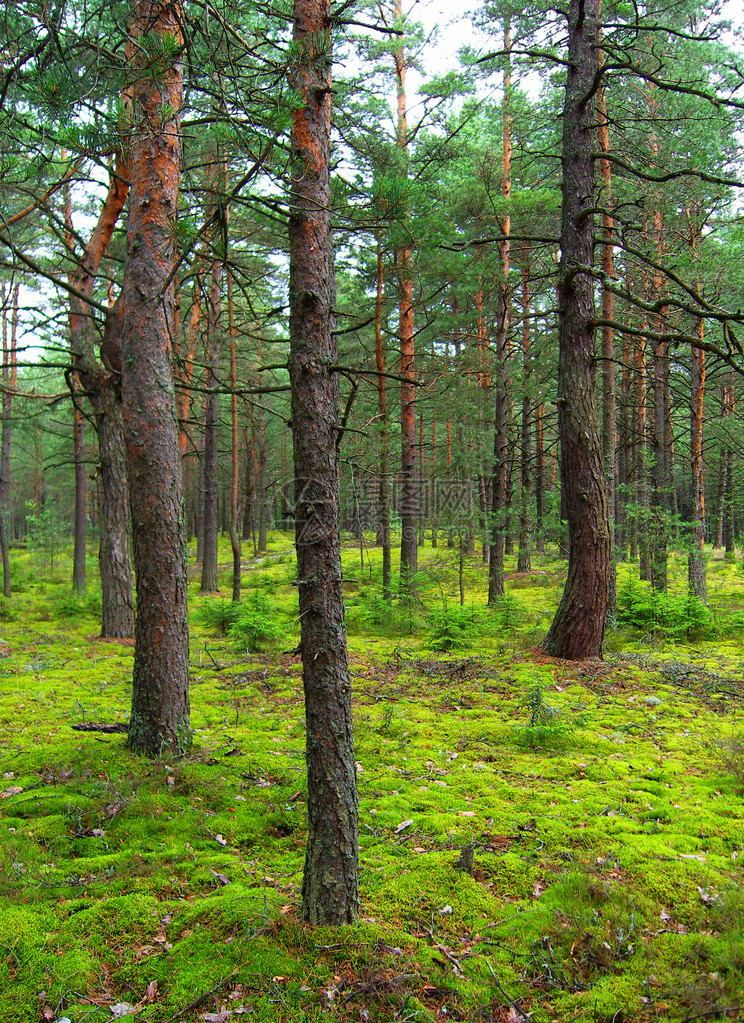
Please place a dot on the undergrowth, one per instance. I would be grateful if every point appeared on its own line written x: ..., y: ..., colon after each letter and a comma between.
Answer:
x: 538, y: 839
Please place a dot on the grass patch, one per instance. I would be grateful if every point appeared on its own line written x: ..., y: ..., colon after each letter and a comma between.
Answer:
x: 565, y: 838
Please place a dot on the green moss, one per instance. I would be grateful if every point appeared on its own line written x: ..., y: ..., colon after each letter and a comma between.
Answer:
x: 598, y: 863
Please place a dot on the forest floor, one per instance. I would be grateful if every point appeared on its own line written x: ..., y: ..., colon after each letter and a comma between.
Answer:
x: 539, y: 840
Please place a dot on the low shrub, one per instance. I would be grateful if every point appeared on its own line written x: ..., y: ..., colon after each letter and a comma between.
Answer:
x: 256, y: 625
x: 455, y: 627
x: 649, y: 611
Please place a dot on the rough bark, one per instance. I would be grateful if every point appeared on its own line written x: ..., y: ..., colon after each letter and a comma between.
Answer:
x: 9, y: 378
x: 80, y: 524
x: 235, y: 544
x: 540, y: 472
x: 501, y: 382
x: 330, y: 889
x: 99, y: 378
x: 578, y: 627
x: 660, y: 461
x: 696, y: 558
x: 217, y: 183
x: 209, y: 580
x: 79, y: 578
x: 159, y: 721
x: 384, y: 442
x: 409, y: 496
x: 114, y: 553
x: 524, y: 561
x: 609, y: 411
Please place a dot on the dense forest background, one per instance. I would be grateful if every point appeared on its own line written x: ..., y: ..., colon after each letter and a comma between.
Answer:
x: 447, y: 229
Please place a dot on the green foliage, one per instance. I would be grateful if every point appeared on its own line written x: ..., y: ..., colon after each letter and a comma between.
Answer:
x: 369, y: 612
x: 729, y: 753
x: 576, y: 856
x: 45, y: 532
x: 218, y: 616
x: 256, y: 626
x: 455, y: 627
x: 74, y: 605
x: 509, y: 613
x: 675, y: 617
x: 546, y: 726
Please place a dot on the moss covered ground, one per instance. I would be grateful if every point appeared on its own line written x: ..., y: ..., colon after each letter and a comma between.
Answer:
x: 539, y: 840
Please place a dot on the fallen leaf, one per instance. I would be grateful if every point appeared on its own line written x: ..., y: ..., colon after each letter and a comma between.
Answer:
x: 220, y: 839
x: 14, y: 790
x: 151, y: 992
x: 402, y: 826
x: 538, y: 889
x: 121, y: 1009
x: 222, y: 878
x: 466, y: 813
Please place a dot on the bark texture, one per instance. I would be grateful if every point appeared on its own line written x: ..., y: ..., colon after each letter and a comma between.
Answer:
x: 330, y: 889
x: 9, y: 380
x: 159, y: 721
x: 384, y: 443
x: 578, y: 627
x: 114, y: 553
x: 100, y: 379
x: 499, y: 482
x: 409, y: 490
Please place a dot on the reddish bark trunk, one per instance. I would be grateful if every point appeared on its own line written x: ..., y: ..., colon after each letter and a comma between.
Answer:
x: 409, y: 497
x: 384, y: 443
x: 159, y: 721
x: 501, y: 382
x: 10, y: 378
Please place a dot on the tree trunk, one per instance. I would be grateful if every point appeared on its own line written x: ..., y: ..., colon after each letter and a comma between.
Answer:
x: 524, y: 561
x: 159, y: 723
x: 9, y: 377
x: 79, y: 581
x: 409, y: 509
x: 696, y: 558
x: 114, y: 556
x: 235, y: 544
x: 578, y: 627
x: 609, y: 411
x: 660, y: 462
x: 501, y: 383
x: 263, y: 489
x: 330, y: 888
x: 384, y: 443
x: 209, y: 580
x: 540, y: 471
x: 642, y: 518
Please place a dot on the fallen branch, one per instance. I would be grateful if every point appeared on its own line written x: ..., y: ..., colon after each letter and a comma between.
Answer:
x: 98, y: 726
